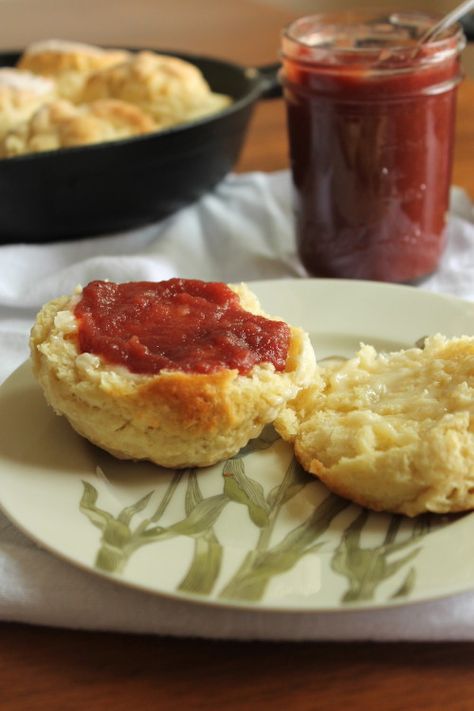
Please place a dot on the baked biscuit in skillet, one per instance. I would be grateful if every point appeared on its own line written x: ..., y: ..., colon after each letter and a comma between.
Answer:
x: 170, y: 89
x: 61, y: 124
x: 21, y: 94
x: 68, y: 63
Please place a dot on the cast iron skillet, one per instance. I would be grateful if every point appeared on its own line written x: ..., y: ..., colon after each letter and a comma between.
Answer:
x: 114, y: 186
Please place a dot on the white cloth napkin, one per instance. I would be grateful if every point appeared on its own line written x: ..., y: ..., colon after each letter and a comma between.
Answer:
x: 241, y: 231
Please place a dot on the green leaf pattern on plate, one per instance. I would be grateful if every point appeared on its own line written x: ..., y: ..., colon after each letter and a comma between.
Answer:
x: 364, y: 567
x: 265, y: 561
x: 207, y: 558
x: 367, y: 567
x: 240, y: 488
x: 119, y: 540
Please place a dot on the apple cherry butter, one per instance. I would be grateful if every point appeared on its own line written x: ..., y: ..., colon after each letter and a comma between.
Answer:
x: 371, y: 117
x: 180, y: 324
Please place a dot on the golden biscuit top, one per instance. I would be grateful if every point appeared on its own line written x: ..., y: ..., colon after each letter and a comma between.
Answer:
x: 17, y: 81
x: 51, y: 57
x: 21, y: 94
x: 61, y: 124
x: 21, y: 89
x: 168, y: 88
x: 147, y: 76
x: 68, y: 63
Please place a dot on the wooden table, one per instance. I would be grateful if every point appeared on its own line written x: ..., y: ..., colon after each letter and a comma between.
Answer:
x: 64, y: 670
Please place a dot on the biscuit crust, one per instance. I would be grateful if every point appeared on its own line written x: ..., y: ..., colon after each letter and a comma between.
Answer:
x: 170, y: 89
x: 68, y: 63
x: 392, y: 432
x: 174, y: 419
x: 21, y: 94
x: 61, y: 124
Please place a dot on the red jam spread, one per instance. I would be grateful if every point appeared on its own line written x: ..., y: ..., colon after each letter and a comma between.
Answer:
x: 371, y: 125
x: 181, y: 324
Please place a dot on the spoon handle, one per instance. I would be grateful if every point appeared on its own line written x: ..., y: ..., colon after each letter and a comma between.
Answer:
x: 447, y: 20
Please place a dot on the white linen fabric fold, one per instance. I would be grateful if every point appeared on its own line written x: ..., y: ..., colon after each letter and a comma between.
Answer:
x: 242, y: 231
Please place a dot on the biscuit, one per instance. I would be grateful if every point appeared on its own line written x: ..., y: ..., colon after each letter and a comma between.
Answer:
x: 392, y: 432
x: 21, y: 94
x: 68, y: 63
x: 173, y: 418
x: 170, y: 89
x: 61, y: 124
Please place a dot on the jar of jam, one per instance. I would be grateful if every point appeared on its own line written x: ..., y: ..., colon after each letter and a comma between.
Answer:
x: 371, y: 115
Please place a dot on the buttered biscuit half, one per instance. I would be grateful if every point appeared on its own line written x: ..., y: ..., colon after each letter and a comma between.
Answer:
x: 392, y: 431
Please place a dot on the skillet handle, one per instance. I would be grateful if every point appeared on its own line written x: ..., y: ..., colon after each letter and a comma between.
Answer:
x: 270, y: 83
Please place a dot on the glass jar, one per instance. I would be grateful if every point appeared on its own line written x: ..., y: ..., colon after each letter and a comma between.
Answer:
x: 371, y: 123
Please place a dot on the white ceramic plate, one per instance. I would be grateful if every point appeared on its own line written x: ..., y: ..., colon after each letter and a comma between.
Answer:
x: 254, y: 531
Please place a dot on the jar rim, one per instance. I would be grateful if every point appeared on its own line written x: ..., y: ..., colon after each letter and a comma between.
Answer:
x: 377, y: 47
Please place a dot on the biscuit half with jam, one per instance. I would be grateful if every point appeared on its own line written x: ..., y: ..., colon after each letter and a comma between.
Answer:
x: 180, y: 372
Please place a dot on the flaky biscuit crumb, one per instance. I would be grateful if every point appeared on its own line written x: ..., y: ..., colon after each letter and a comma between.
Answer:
x: 393, y: 432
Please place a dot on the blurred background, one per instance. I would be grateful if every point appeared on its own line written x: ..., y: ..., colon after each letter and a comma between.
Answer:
x: 324, y: 5
x: 243, y: 31
x: 177, y: 24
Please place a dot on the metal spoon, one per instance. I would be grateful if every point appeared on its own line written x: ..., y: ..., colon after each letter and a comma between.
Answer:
x: 447, y: 21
